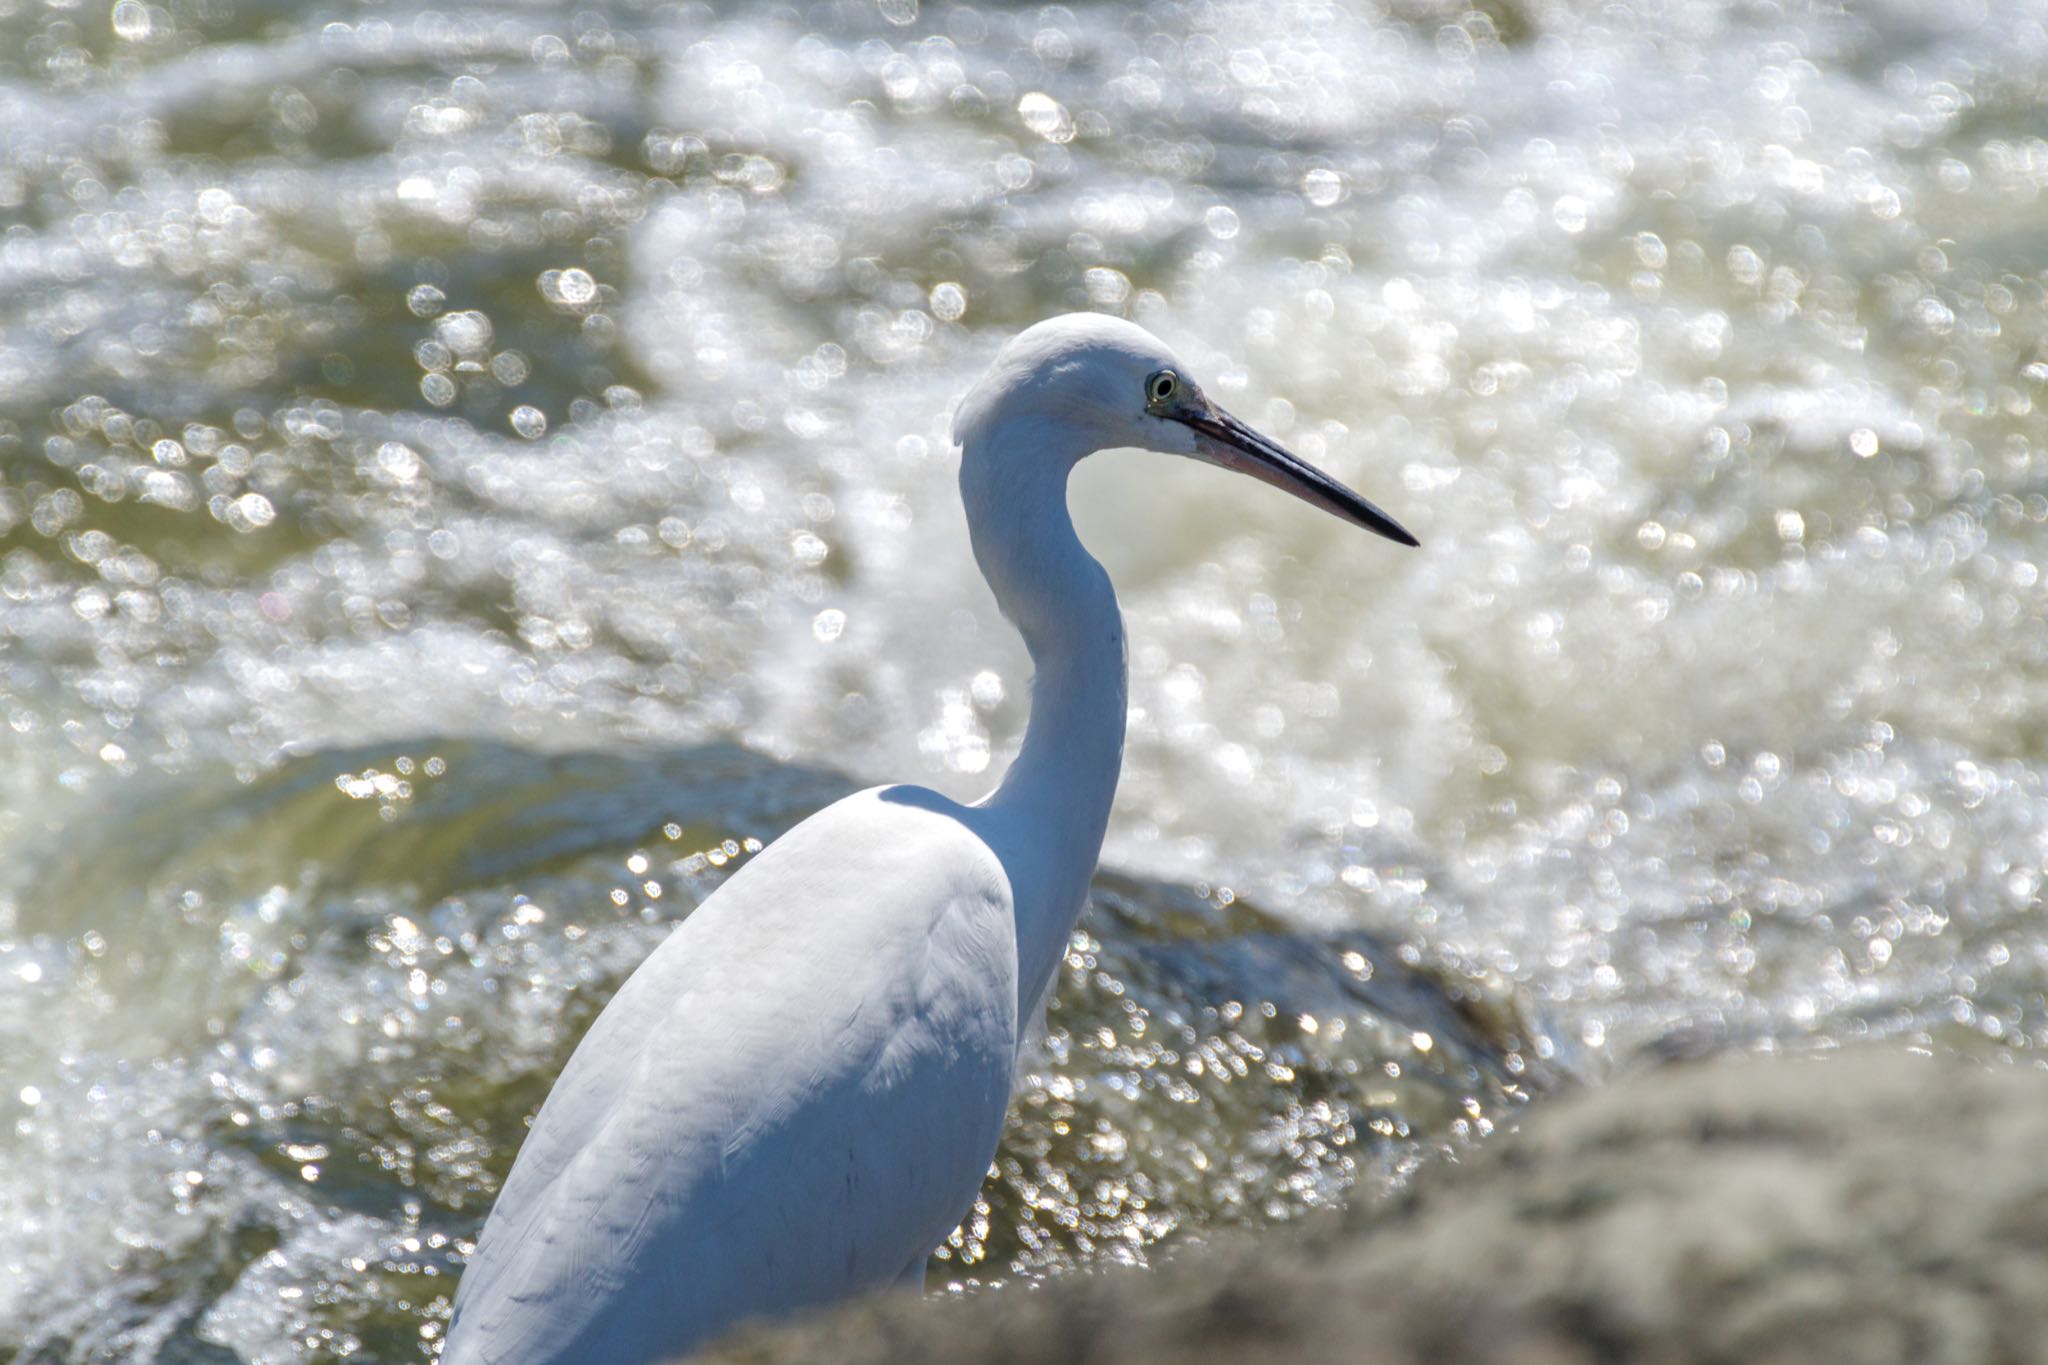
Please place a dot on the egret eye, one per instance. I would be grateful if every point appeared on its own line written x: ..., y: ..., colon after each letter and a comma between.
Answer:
x: 1162, y: 386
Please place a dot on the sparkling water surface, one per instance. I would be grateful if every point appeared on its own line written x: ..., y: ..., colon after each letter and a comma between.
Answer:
x: 470, y: 474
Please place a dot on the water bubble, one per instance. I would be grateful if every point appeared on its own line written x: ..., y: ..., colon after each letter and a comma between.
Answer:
x: 214, y: 205
x: 295, y: 113
x: 424, y: 300
x: 949, y: 302
x: 529, y: 421
x: 467, y: 334
x: 828, y: 625
x: 397, y: 462
x: 571, y: 288
x: 1322, y: 188
x: 1936, y: 316
x: 1046, y: 116
x: 577, y: 286
x: 1569, y: 213
x: 509, y: 368
x: 251, y: 512
x: 1106, y: 286
x: 756, y: 173
x: 437, y: 388
x: 132, y: 21
x: 901, y: 13
x: 1222, y: 222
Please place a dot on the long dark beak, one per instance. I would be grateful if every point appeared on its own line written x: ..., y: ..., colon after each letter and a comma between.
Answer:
x: 1224, y: 441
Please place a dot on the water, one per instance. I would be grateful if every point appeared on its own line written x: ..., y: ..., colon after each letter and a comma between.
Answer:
x: 468, y: 474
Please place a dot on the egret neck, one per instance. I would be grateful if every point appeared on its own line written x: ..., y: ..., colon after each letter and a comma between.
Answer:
x: 1048, y: 814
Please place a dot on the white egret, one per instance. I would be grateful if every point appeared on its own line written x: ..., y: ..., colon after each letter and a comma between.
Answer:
x: 799, y: 1092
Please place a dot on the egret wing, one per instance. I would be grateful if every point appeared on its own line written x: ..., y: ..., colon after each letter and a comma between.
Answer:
x: 792, y: 1098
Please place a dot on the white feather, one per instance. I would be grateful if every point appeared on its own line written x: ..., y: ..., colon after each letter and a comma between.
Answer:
x: 750, y: 1125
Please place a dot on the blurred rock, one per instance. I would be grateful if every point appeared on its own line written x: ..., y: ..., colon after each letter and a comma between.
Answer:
x: 1868, y: 1207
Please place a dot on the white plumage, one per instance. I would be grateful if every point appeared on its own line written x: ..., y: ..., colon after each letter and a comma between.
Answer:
x: 798, y: 1094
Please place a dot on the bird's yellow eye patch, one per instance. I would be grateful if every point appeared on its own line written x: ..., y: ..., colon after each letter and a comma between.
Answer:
x: 1162, y: 386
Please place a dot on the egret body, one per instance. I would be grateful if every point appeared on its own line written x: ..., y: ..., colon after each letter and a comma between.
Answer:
x: 799, y: 1092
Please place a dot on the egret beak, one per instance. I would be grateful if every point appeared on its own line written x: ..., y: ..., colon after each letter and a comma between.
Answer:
x: 1222, y: 440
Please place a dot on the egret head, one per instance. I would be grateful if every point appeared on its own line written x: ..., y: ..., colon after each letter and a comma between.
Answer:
x: 1103, y: 383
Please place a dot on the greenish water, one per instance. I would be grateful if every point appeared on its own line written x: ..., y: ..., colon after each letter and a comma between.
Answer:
x: 469, y: 475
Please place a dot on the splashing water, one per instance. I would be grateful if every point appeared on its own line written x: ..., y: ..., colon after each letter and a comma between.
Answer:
x: 432, y: 439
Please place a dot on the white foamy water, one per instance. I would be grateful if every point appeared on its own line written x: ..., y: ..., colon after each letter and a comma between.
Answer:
x: 429, y: 439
